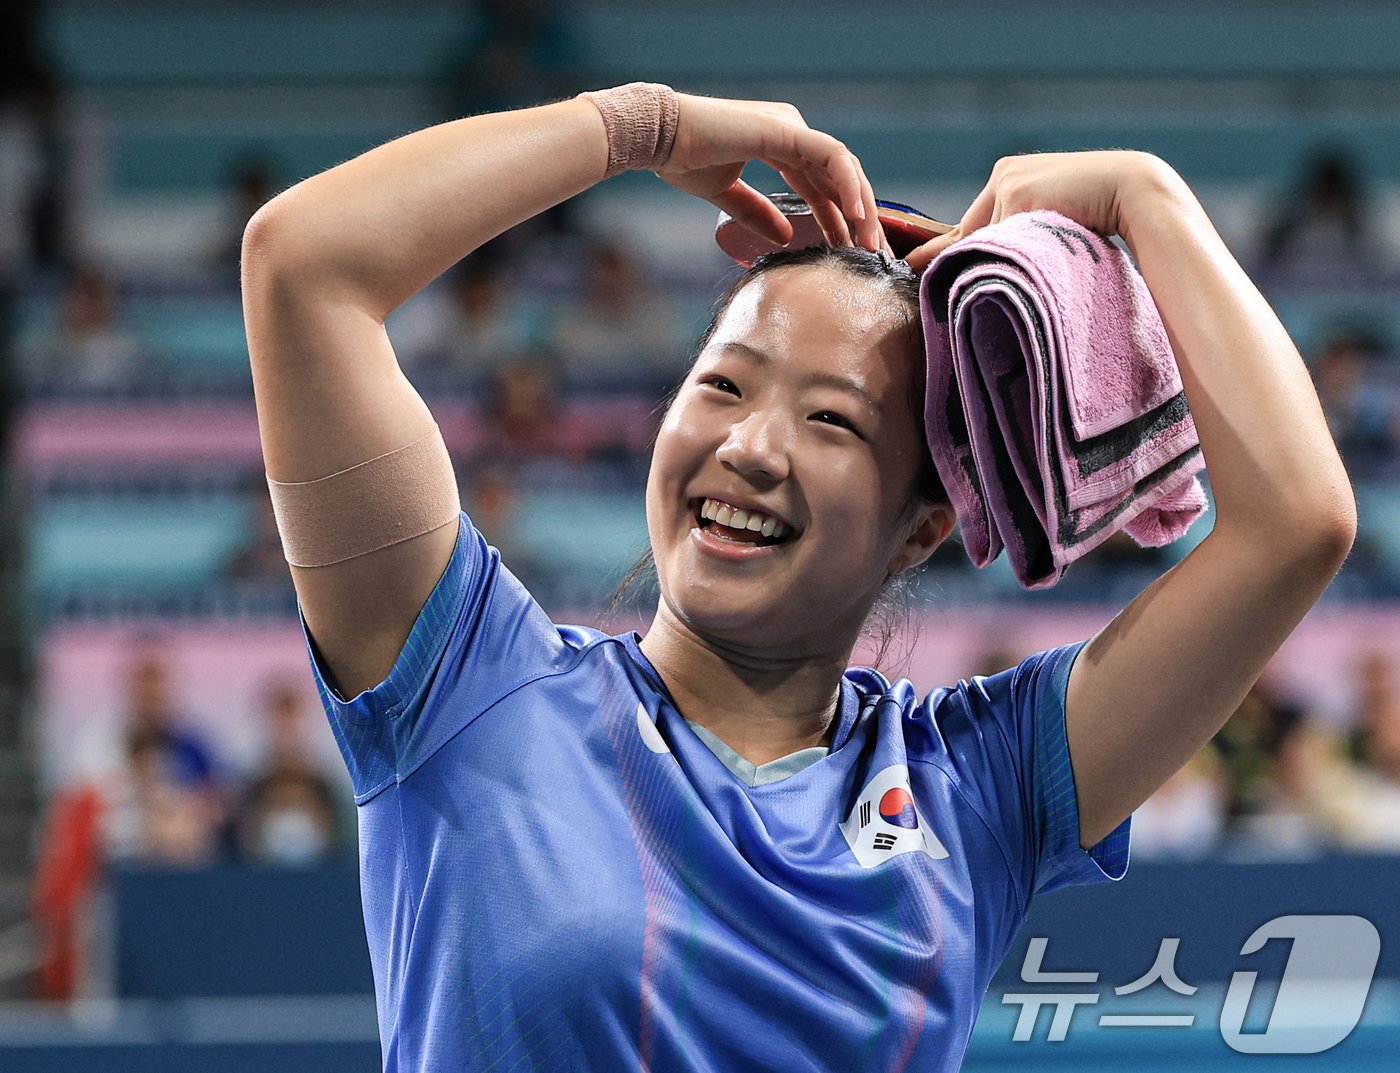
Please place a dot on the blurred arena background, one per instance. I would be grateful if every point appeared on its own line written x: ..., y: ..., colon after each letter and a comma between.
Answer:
x: 177, y: 865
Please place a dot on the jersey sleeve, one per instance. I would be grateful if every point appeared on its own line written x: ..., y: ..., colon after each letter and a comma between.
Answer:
x: 1005, y: 736
x: 479, y: 635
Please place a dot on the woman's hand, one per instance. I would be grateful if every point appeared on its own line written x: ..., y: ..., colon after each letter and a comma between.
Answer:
x: 1088, y: 187
x: 715, y: 138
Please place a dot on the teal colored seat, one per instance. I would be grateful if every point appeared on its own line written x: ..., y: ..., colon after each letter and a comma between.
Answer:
x: 1312, y: 316
x: 299, y: 45
x: 297, y: 42
x: 193, y: 335
x: 964, y: 39
x: 127, y: 545
x: 291, y: 43
x: 1378, y: 520
x: 203, y: 338
x: 597, y: 536
x: 160, y: 156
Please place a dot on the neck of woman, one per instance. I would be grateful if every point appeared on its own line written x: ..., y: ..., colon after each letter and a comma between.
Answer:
x: 763, y: 706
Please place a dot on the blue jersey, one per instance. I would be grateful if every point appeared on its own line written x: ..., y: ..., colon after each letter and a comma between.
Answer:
x: 558, y: 873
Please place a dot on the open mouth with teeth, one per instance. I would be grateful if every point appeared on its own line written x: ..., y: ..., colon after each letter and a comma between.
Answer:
x: 739, y: 526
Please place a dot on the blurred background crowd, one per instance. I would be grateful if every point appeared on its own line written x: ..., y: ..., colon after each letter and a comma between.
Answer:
x: 159, y: 707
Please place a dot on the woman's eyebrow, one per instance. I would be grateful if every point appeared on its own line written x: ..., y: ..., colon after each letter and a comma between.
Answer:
x: 832, y: 380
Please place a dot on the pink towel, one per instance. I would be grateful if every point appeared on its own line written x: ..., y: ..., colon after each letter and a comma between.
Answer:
x: 1055, y: 412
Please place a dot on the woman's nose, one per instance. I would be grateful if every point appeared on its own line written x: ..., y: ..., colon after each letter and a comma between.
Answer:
x: 757, y: 445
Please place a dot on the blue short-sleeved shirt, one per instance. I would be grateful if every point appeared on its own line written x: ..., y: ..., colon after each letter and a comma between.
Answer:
x: 558, y: 873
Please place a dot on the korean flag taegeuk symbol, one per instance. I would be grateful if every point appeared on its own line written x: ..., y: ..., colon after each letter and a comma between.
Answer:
x: 885, y: 821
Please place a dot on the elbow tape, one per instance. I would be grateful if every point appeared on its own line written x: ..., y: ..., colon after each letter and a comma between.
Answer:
x: 386, y: 500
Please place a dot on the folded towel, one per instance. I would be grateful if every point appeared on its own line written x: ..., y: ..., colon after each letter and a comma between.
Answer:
x: 1054, y: 411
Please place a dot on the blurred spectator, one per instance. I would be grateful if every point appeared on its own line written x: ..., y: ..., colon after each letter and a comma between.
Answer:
x: 1185, y: 818
x: 20, y: 61
x: 513, y: 53
x: 168, y: 804
x: 1263, y: 813
x: 289, y: 811
x: 159, y: 815
x: 527, y: 427
x: 164, y: 805
x: 1355, y: 809
x: 523, y: 417
x: 261, y: 561
x: 1293, y: 792
x: 1324, y: 227
x: 1360, y: 407
x: 37, y: 144
x: 289, y: 817
x: 89, y: 349
x: 285, y: 726
x: 48, y: 215
x: 620, y: 331
x: 1375, y: 737
x: 491, y: 498
x: 1283, y: 822
x: 151, y: 718
x: 66, y: 873
x: 252, y: 183
x: 461, y: 329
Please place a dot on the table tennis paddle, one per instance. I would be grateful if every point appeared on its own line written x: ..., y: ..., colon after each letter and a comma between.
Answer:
x: 905, y: 229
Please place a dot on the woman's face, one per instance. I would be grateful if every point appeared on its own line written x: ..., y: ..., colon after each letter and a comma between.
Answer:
x: 763, y: 419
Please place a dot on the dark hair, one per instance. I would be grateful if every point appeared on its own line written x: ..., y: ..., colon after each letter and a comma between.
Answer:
x: 903, y: 283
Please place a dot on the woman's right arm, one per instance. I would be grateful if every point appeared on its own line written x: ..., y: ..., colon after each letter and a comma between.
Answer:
x: 326, y: 261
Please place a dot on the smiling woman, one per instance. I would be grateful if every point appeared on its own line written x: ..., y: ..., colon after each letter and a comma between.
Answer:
x: 720, y: 846
x: 856, y: 306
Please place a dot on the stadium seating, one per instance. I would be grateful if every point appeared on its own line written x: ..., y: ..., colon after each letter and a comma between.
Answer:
x: 139, y: 496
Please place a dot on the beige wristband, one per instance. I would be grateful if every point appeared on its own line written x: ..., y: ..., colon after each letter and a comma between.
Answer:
x: 641, y: 120
x: 386, y: 500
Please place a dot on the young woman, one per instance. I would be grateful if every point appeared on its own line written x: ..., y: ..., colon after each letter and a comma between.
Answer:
x: 718, y: 846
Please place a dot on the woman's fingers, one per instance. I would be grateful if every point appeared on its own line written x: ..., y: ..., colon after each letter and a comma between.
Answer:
x: 834, y: 163
x: 982, y: 210
x: 1085, y: 187
x: 827, y: 165
x: 985, y: 209
x: 717, y: 135
x: 869, y: 233
x: 920, y: 257
x: 824, y: 210
x: 756, y: 212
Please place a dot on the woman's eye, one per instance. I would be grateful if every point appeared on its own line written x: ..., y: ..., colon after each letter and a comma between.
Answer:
x: 825, y: 417
x: 829, y: 418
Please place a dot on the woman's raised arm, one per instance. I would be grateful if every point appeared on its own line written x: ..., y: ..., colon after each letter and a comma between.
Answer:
x: 327, y: 260
x: 1156, y: 683
x: 324, y: 263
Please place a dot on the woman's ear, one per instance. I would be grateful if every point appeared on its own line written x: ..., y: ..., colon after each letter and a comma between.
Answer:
x: 931, y: 525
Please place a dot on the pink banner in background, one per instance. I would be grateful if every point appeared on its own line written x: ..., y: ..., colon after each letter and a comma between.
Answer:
x: 217, y: 673
x: 54, y: 438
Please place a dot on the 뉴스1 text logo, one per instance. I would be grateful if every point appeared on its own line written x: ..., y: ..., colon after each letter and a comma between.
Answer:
x: 1319, y: 1000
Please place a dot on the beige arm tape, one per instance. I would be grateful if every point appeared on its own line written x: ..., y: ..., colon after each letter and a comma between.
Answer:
x: 641, y: 119
x: 387, y: 500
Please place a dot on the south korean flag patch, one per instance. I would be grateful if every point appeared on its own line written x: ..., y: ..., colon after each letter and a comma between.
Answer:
x: 885, y: 821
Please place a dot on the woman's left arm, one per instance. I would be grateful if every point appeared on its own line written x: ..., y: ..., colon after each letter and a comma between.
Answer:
x: 1157, y: 682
